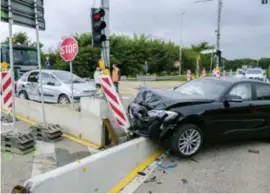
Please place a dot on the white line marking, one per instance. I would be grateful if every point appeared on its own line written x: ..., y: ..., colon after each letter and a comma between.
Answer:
x: 44, y: 158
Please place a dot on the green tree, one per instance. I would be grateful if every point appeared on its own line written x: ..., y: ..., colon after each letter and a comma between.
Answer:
x: 20, y: 37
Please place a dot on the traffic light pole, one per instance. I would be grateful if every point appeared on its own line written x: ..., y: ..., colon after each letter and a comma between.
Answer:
x: 218, y: 54
x: 105, y: 52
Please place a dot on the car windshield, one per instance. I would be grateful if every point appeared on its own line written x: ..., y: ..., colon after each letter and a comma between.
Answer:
x: 206, y: 89
x: 66, y: 78
x: 254, y: 71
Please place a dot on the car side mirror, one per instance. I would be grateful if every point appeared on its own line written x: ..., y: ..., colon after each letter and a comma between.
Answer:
x: 233, y: 98
x: 50, y: 83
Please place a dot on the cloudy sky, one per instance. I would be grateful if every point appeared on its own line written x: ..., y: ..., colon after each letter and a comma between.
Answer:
x: 245, y: 29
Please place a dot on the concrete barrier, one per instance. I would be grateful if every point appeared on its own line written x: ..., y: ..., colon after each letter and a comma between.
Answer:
x: 103, y: 172
x: 83, y: 125
x: 100, y: 108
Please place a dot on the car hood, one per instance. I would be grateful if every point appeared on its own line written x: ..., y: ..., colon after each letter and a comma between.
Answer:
x: 164, y: 99
x: 83, y: 87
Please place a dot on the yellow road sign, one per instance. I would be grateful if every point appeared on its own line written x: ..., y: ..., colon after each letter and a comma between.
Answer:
x: 4, y: 66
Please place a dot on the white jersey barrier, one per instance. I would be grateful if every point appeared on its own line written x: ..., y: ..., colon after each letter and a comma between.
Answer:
x: 85, y: 126
x: 100, y: 172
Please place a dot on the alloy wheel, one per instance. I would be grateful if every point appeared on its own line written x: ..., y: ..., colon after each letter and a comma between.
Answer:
x: 189, y: 142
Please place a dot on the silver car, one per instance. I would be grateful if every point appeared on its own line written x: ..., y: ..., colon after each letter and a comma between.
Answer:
x: 56, y: 86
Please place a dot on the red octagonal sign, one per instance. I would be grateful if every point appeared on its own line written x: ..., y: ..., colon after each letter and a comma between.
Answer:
x: 69, y: 49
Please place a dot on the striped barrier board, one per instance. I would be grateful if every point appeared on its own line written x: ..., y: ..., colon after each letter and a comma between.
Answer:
x: 6, y: 90
x: 114, y: 102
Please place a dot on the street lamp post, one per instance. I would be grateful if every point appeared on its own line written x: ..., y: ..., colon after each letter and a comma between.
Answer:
x: 181, y: 41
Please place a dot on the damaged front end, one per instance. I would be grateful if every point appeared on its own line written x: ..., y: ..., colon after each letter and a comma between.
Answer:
x: 149, y: 117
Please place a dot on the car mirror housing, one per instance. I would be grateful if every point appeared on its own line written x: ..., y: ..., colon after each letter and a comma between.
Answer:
x: 51, y: 83
x: 233, y: 98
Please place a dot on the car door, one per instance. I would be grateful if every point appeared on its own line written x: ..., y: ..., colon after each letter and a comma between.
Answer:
x: 49, y: 84
x: 238, y: 117
x: 31, y: 86
x: 262, y: 106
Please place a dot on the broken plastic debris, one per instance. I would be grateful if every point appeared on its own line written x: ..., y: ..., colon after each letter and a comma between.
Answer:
x: 254, y: 151
x: 141, y: 173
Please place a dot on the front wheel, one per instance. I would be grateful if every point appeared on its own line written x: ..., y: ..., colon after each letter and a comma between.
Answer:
x: 23, y: 95
x: 186, y: 141
x: 63, y: 99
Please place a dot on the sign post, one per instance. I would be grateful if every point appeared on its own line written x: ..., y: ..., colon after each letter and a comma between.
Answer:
x: 145, y: 70
x: 10, y: 21
x: 68, y: 50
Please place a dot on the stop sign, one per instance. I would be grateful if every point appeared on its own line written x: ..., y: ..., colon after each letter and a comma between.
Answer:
x: 69, y: 49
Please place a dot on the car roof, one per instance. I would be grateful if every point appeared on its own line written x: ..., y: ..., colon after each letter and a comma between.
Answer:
x: 49, y: 70
x: 232, y: 80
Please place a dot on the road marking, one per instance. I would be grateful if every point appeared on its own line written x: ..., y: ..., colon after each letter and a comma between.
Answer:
x: 44, y: 158
x: 133, y: 174
x: 139, y: 180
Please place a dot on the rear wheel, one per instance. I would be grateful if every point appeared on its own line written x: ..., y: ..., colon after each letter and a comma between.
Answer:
x: 23, y: 95
x: 63, y: 99
x: 186, y: 141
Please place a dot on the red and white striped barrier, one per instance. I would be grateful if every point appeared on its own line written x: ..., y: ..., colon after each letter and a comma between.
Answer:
x: 6, y: 90
x: 114, y: 102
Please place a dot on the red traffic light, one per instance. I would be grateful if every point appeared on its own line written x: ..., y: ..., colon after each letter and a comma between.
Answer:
x: 99, y: 14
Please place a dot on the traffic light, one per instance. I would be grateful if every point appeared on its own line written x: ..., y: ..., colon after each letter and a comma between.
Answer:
x: 98, y: 24
x: 264, y: 1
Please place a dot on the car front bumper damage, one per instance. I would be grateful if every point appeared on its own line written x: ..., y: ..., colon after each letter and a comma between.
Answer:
x: 153, y: 124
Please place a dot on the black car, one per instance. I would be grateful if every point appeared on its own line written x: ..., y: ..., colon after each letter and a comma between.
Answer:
x: 200, y: 110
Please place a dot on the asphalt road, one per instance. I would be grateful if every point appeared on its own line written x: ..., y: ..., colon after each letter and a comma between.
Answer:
x: 16, y: 169
x: 230, y: 168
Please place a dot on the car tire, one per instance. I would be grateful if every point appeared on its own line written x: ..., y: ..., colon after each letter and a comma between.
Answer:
x: 63, y: 99
x: 23, y: 95
x: 184, y: 132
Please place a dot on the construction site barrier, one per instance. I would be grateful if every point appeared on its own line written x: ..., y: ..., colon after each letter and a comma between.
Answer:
x: 83, y: 125
x: 102, y: 172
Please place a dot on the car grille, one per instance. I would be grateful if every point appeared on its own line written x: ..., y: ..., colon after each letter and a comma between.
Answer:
x: 256, y: 78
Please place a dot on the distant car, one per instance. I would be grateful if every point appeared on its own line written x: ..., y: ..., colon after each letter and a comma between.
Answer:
x: 56, y: 86
x: 255, y: 73
x: 201, y: 110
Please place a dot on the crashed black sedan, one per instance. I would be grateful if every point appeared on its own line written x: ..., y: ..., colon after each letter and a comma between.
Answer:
x: 201, y: 110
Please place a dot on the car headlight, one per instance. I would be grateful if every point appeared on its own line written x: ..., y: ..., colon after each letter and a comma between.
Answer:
x: 76, y: 92
x: 162, y: 113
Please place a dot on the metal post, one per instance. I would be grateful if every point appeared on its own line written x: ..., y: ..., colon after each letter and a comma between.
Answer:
x: 39, y: 65
x: 180, y: 47
x: 106, y: 46
x: 12, y: 67
x: 71, y: 77
x: 218, y: 59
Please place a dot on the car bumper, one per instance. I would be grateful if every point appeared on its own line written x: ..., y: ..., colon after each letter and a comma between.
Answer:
x: 151, y: 127
x: 257, y: 78
x: 78, y: 97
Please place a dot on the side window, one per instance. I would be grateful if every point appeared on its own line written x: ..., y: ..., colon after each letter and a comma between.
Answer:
x: 263, y: 92
x: 24, y: 77
x: 33, y: 77
x: 243, y: 91
x: 45, y: 78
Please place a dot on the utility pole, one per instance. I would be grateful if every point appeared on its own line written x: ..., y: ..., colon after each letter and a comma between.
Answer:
x: 181, y: 41
x: 105, y: 52
x: 218, y: 52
